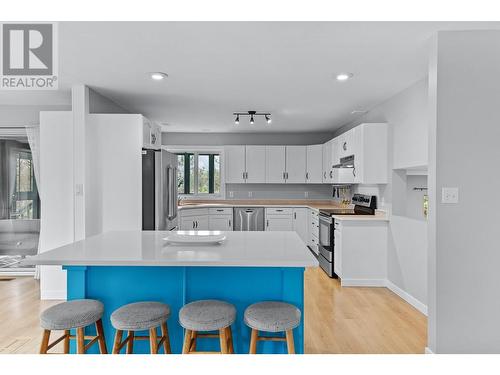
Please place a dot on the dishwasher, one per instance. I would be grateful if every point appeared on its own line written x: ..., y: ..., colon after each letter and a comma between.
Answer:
x: 249, y: 219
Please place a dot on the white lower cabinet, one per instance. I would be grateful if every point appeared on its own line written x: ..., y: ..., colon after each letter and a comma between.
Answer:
x: 220, y: 222
x: 279, y: 223
x: 300, y: 216
x: 194, y: 223
x: 313, y: 230
x: 193, y: 219
x: 360, y: 255
x: 288, y: 219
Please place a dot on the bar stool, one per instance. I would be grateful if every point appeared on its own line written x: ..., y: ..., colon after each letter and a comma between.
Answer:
x: 272, y: 317
x: 70, y: 315
x: 205, y: 316
x: 141, y: 316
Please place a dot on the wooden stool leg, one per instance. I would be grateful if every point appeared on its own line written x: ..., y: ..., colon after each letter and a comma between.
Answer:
x: 187, y: 342
x: 80, y: 340
x: 130, y: 342
x: 166, y: 340
x: 253, y: 341
x: 289, y: 342
x: 223, y: 340
x: 192, y: 346
x: 100, y: 337
x: 229, y: 334
x: 118, y: 341
x: 45, y: 341
x: 66, y: 341
x: 153, y: 341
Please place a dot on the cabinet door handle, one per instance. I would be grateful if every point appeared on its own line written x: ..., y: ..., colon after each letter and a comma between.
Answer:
x: 196, y: 223
x: 193, y: 224
x: 324, y: 175
x: 267, y: 223
x: 331, y: 175
x: 229, y: 223
x: 283, y: 175
x: 354, y: 172
x: 279, y: 210
x: 295, y: 215
x: 307, y: 175
x: 344, y: 146
x: 243, y: 175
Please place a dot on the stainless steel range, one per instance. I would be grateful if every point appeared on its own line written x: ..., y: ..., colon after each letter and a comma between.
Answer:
x: 363, y: 205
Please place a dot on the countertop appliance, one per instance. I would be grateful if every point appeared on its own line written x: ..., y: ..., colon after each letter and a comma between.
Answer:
x: 363, y: 205
x: 159, y: 190
x: 248, y: 219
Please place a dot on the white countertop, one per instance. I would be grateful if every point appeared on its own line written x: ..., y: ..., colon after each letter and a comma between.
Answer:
x: 379, y: 216
x: 147, y: 248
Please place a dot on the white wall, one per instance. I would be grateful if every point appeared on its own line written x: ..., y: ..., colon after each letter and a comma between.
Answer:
x: 114, y: 170
x: 464, y: 247
x: 406, y: 113
x: 222, y: 139
x: 57, y: 203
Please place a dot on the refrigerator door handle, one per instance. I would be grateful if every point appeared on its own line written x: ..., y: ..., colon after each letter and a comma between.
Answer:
x: 170, y: 191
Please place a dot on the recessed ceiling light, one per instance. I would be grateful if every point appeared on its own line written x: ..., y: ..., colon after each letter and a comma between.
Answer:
x: 344, y: 76
x: 158, y: 76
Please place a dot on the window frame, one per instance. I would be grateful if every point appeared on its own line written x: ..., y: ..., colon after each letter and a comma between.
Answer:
x: 200, y: 150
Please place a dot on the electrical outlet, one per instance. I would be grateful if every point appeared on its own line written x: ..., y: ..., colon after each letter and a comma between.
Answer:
x: 449, y: 195
x: 250, y: 194
x: 231, y: 194
x: 306, y: 194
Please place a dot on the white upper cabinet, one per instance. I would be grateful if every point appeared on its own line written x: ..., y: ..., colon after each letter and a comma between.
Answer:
x: 371, y: 157
x: 346, y: 143
x: 275, y: 164
x: 295, y: 172
x: 327, y: 162
x: 151, y: 134
x: 235, y: 164
x: 255, y: 164
x: 314, y: 171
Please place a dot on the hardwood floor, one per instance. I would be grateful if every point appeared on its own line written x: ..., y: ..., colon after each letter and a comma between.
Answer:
x: 358, y: 320
x: 337, y: 320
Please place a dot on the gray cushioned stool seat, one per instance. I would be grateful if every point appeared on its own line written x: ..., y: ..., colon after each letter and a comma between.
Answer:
x: 140, y: 316
x: 72, y: 314
x: 207, y: 315
x: 272, y: 316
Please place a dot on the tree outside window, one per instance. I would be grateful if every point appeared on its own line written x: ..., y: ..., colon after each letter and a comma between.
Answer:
x: 199, y: 173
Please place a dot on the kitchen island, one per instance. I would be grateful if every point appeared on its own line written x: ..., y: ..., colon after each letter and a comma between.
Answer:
x: 130, y: 266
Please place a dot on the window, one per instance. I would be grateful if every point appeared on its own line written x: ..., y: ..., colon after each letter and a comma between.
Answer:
x: 24, y: 203
x: 199, y: 173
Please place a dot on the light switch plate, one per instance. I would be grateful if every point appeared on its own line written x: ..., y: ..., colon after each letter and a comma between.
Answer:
x: 306, y: 194
x: 250, y: 194
x: 449, y: 195
x: 231, y: 194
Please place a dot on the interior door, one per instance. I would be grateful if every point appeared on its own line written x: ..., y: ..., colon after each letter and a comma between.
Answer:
x: 275, y: 164
x: 255, y: 164
x: 296, y: 164
x: 235, y: 164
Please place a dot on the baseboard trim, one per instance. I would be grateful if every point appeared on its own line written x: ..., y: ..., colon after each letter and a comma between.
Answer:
x: 375, y: 283
x: 52, y: 294
x: 407, y: 297
x: 428, y: 351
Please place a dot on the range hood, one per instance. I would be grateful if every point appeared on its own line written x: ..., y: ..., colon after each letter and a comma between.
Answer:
x: 345, y: 162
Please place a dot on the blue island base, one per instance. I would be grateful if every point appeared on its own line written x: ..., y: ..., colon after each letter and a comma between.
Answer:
x: 116, y: 286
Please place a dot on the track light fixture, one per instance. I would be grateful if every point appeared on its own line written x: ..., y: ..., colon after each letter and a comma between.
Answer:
x: 252, y: 115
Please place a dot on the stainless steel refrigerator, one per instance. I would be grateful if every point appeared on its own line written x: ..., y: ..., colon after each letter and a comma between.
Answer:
x: 159, y: 190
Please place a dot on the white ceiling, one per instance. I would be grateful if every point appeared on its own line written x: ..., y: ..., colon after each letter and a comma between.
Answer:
x: 216, y: 68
